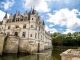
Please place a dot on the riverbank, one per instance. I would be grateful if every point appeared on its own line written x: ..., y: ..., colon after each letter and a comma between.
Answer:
x: 66, y: 47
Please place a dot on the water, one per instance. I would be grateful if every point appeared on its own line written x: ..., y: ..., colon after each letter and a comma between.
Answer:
x: 47, y: 55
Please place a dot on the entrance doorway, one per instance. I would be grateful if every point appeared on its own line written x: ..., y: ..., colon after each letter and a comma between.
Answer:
x: 16, y: 33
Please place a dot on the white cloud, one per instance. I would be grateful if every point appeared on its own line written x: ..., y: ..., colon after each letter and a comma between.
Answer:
x: 2, y: 14
x: 52, y: 30
x: 65, y: 1
x: 68, y: 30
x: 40, y: 5
x: 65, y: 17
x: 51, y: 25
x: 8, y: 4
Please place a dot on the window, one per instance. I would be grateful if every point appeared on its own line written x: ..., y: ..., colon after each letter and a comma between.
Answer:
x: 16, y: 34
x: 17, y: 26
x: 32, y: 18
x: 18, y: 19
x: 24, y: 26
x: 8, y: 33
x: 31, y: 26
x: 38, y: 35
x: 41, y: 37
x: 24, y: 34
x: 39, y: 28
x: 8, y: 27
x: 30, y: 35
x: 35, y: 35
x: 25, y: 18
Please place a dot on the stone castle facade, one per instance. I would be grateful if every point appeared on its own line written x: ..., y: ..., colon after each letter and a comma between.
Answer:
x: 29, y: 28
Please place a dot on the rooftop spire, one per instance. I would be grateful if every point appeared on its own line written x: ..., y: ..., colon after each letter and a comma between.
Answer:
x: 5, y: 15
x: 34, y: 11
x: 31, y: 9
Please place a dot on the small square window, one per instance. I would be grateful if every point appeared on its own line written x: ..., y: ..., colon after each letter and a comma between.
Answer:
x: 32, y: 18
x: 31, y: 26
x: 8, y: 27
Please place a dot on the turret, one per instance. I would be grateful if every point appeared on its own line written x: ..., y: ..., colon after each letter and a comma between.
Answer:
x: 33, y: 15
x: 5, y: 18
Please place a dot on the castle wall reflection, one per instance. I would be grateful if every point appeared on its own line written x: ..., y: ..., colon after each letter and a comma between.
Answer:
x: 47, y: 55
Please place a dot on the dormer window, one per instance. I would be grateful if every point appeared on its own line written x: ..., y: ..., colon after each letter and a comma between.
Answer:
x: 17, y: 19
x: 25, y: 18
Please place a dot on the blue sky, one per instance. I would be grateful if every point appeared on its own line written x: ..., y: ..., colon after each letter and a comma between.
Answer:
x: 59, y: 15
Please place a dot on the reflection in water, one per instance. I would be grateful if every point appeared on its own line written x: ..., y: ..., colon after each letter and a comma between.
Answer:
x: 56, y: 53
x: 47, y: 55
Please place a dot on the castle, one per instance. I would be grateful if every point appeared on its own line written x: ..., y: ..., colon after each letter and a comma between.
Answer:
x: 29, y: 28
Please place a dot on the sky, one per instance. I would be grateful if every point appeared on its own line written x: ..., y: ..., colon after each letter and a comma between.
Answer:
x: 59, y: 15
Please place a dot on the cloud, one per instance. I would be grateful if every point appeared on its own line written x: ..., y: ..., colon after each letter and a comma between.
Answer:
x: 65, y: 1
x: 65, y: 17
x: 52, y: 30
x: 7, y: 4
x: 2, y: 14
x: 51, y: 25
x: 68, y: 30
x: 40, y: 5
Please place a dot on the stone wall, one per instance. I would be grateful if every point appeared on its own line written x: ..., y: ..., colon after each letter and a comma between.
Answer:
x: 1, y: 43
x: 23, y: 45
x: 11, y: 44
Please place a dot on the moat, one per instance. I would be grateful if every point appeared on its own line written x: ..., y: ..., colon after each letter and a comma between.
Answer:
x: 47, y: 55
